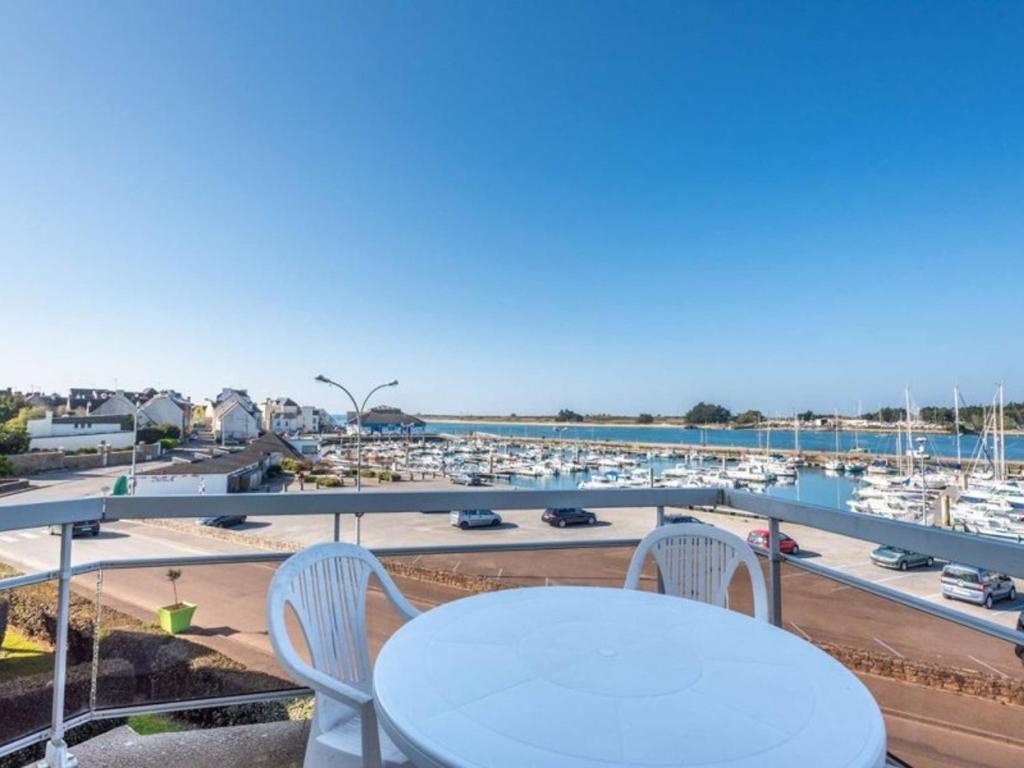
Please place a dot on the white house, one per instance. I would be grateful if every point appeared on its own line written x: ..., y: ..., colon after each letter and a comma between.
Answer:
x: 233, y: 421
x: 284, y: 415
x: 160, y: 408
x: 166, y: 408
x: 71, y: 433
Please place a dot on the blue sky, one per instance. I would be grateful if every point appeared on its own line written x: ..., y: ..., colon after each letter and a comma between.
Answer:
x: 516, y: 206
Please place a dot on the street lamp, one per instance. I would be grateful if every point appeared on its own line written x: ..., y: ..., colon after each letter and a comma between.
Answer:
x: 359, y: 445
x: 135, y: 443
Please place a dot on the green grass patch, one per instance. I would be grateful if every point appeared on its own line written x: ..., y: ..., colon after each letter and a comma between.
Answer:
x: 147, y: 725
x: 21, y: 656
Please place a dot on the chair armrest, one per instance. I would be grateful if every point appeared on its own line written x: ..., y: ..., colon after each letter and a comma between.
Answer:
x: 328, y: 686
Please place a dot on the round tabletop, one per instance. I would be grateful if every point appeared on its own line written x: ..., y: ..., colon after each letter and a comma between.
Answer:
x: 581, y: 677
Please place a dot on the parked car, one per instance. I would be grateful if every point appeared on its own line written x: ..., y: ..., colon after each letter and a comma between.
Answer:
x: 80, y: 528
x: 675, y: 519
x: 221, y: 521
x: 468, y: 478
x: 759, y: 538
x: 976, y: 585
x: 894, y: 557
x: 568, y: 516
x: 474, y: 518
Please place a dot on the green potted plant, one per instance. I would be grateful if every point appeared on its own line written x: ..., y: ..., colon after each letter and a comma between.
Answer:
x: 177, y: 617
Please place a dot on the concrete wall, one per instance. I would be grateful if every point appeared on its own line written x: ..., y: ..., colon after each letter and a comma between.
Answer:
x: 48, y: 461
x: 176, y: 485
x: 83, y: 440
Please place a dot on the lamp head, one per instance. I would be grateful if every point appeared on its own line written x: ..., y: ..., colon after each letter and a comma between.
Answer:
x: 322, y: 379
x: 393, y: 383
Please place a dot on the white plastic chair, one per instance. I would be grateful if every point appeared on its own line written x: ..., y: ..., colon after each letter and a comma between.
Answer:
x: 698, y: 562
x: 326, y: 586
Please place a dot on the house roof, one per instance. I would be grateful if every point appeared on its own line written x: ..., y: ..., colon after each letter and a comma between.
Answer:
x: 387, y: 417
x: 230, y: 463
x: 84, y: 397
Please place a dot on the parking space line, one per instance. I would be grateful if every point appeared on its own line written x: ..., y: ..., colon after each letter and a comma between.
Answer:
x: 888, y: 647
x: 988, y: 666
x: 897, y: 577
x: 8, y: 539
x: 798, y: 629
x: 500, y: 571
x: 27, y: 535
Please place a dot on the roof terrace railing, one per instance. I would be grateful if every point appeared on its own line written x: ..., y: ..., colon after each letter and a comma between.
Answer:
x: 995, y: 554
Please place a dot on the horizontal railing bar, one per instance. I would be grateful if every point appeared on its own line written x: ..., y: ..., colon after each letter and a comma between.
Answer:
x: 1003, y: 556
x: 348, y: 502
x: 28, y: 579
x: 183, y: 704
x: 910, y: 601
x: 36, y: 513
x: 43, y: 735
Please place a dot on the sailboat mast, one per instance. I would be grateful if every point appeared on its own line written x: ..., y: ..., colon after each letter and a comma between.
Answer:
x: 796, y: 433
x: 956, y: 422
x: 1002, y: 438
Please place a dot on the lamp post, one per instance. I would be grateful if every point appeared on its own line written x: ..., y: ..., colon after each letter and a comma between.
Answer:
x: 135, y: 443
x: 359, y: 446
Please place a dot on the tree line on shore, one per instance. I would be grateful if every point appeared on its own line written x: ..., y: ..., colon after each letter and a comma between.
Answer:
x: 972, y: 417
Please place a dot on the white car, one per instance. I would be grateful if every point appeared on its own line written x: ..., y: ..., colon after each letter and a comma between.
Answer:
x: 474, y: 518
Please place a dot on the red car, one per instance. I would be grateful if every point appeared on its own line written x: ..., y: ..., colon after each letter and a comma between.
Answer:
x: 759, y: 538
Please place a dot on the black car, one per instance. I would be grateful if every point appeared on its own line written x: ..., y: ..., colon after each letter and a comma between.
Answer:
x: 221, y: 521
x: 568, y: 516
x: 674, y: 519
x: 80, y: 528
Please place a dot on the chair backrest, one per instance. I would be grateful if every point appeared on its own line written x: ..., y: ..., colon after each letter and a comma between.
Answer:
x: 326, y: 587
x: 698, y: 562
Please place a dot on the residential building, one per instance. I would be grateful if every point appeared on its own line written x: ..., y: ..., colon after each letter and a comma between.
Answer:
x: 230, y: 472
x: 83, y: 401
x: 168, y: 407
x: 387, y: 420
x: 233, y: 416
x: 284, y: 415
x: 72, y: 433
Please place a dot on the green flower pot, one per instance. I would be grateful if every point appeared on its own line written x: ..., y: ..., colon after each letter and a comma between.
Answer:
x: 174, y: 620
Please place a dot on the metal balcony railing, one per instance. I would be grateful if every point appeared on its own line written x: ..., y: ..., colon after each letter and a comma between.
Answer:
x: 995, y: 554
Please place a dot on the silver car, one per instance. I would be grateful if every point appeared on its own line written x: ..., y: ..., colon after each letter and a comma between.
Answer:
x: 474, y: 518
x: 976, y: 585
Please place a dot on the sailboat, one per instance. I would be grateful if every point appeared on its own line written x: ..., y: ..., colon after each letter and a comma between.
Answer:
x: 835, y: 464
x: 856, y: 466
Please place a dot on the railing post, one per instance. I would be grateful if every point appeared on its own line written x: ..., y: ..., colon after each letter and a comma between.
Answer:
x: 660, y: 521
x: 95, y: 671
x: 337, y: 526
x: 57, y: 754
x: 774, y: 573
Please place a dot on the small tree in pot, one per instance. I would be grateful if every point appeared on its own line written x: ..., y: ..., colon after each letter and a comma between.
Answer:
x: 176, y: 617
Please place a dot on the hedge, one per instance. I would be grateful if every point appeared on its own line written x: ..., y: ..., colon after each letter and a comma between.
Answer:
x: 28, y: 700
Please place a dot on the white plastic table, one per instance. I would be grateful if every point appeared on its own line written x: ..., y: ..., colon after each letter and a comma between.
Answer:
x: 581, y: 677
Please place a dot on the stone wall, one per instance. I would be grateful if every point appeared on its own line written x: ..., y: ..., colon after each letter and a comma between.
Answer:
x: 966, y: 681
x: 48, y: 461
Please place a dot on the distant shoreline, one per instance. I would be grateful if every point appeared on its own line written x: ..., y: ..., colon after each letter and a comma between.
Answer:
x: 622, y: 422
